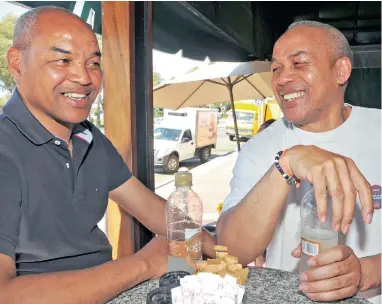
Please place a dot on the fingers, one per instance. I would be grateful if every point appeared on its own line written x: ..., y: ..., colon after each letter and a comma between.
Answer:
x: 330, y: 256
x: 337, y: 275
x: 364, y: 189
x: 350, y: 195
x: 325, y: 272
x: 334, y: 283
x: 319, y: 186
x: 336, y: 192
x: 342, y: 179
x: 333, y: 295
x: 297, y: 252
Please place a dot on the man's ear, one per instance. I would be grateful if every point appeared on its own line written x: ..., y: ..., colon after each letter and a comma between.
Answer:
x: 14, y: 62
x: 343, y: 67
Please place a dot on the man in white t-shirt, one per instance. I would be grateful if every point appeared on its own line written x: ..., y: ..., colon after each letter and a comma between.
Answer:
x: 325, y: 142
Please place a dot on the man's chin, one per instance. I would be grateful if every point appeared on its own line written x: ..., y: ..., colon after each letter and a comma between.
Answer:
x: 75, y: 118
x: 295, y: 119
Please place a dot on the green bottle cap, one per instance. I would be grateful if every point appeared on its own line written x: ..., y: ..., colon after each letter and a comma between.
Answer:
x: 183, y: 179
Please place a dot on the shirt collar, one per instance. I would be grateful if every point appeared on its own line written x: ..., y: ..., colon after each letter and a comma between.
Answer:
x: 83, y: 131
x: 31, y: 128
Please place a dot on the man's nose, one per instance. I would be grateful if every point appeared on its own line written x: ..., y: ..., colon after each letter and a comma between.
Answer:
x: 80, y: 74
x: 285, y: 76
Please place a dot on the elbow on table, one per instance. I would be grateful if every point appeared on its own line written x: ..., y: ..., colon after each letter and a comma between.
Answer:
x: 237, y: 246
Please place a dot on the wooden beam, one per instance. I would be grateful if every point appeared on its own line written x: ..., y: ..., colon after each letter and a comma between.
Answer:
x: 119, y: 108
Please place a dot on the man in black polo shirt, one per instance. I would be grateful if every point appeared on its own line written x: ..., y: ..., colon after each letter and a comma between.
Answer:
x: 57, y: 171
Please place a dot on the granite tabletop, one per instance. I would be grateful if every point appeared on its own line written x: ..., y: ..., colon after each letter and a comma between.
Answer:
x: 264, y: 286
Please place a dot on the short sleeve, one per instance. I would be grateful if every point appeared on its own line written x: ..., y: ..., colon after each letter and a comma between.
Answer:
x: 119, y: 172
x: 250, y: 167
x: 10, y: 206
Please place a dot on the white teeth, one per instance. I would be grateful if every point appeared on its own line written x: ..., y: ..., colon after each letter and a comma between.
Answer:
x: 75, y: 96
x: 293, y: 95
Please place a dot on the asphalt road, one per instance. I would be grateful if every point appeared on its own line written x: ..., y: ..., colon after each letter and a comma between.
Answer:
x: 223, y: 146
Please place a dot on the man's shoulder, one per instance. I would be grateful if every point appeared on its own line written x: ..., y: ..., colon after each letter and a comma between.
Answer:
x: 4, y: 132
x: 3, y: 117
x: 271, y: 135
x: 366, y: 113
x: 368, y: 117
x: 9, y: 161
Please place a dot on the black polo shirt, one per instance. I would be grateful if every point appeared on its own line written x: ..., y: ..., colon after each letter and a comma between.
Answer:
x: 50, y: 202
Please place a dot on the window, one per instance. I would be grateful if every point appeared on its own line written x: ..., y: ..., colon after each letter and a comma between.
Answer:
x: 167, y: 134
x: 187, y: 134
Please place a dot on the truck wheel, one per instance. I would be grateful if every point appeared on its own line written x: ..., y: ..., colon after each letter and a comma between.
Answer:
x: 204, y: 154
x: 231, y: 137
x: 172, y: 164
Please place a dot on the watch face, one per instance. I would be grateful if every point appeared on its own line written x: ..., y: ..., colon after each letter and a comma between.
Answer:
x: 292, y: 180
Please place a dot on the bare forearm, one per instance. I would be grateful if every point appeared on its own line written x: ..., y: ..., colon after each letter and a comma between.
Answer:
x: 94, y: 285
x: 143, y: 204
x: 371, y: 272
x: 254, y: 219
x: 154, y: 217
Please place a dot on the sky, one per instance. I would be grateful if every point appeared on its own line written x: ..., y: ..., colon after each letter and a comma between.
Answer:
x: 167, y: 65
x: 10, y: 8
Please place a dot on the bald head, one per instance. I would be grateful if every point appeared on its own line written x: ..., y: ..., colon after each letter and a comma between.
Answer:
x: 26, y: 25
x: 336, y: 41
x: 313, y: 60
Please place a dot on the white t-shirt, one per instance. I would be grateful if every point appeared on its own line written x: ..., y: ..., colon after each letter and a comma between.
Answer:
x: 359, y: 138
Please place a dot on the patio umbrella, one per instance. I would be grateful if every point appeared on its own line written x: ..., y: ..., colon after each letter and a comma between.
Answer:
x: 215, y: 83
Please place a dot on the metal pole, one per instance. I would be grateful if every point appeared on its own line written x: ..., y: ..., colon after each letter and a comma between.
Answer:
x: 230, y: 89
x: 144, y: 108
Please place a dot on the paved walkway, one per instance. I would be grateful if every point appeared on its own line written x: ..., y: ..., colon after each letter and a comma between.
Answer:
x: 210, y: 182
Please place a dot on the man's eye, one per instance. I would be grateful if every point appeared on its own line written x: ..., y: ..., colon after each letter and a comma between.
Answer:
x: 62, y: 61
x: 94, y: 64
x: 276, y: 69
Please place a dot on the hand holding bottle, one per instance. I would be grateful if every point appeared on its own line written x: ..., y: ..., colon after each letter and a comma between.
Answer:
x: 334, y: 174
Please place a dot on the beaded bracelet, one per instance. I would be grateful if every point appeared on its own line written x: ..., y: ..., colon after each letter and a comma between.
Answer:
x: 291, y: 180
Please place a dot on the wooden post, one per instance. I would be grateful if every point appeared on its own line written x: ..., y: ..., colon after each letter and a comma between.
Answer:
x: 119, y: 106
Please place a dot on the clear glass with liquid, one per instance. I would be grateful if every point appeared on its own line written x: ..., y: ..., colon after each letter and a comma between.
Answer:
x: 316, y: 236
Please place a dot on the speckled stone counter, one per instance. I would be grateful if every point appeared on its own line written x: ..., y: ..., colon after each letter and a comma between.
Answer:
x: 264, y: 286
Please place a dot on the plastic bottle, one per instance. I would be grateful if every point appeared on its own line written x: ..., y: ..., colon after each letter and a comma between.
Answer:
x: 184, y: 212
x: 316, y: 236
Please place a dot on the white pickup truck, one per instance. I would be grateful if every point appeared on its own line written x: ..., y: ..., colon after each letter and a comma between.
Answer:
x: 184, y: 134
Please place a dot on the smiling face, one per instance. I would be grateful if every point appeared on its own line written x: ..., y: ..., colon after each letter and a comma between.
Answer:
x: 305, y: 74
x: 59, y: 74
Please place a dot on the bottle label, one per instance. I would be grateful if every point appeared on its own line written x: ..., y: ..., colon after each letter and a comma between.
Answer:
x: 309, y: 247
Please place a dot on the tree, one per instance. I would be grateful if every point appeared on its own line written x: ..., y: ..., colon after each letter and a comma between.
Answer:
x: 3, y: 100
x: 7, y: 25
x: 195, y: 68
x: 157, y: 79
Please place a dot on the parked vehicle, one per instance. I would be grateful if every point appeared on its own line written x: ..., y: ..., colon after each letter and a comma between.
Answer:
x: 250, y: 115
x: 184, y: 134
